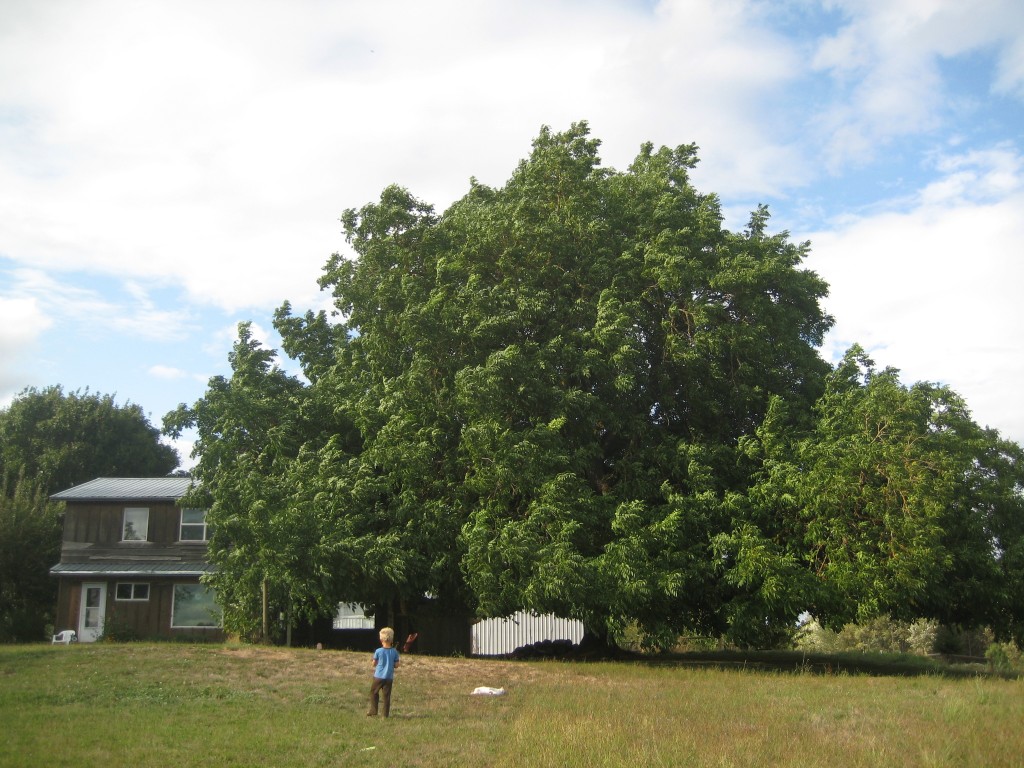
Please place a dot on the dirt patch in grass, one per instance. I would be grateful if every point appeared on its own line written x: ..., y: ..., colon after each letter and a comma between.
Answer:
x: 284, y: 668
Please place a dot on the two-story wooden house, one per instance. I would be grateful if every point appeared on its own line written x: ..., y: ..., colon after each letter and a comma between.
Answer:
x: 131, y: 562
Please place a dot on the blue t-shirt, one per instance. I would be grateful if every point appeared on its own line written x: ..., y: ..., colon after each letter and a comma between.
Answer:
x: 386, y: 659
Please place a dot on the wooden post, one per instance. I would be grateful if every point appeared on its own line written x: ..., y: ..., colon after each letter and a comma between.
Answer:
x: 266, y: 616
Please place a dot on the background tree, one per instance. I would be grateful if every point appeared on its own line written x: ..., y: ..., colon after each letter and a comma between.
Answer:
x: 895, y: 503
x: 50, y: 441
x: 30, y: 531
x: 59, y: 440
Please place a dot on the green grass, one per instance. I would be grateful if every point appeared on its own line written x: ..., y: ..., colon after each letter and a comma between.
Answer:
x: 167, y: 705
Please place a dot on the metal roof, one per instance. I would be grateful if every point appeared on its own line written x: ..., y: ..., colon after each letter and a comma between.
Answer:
x: 131, y: 569
x: 129, y: 488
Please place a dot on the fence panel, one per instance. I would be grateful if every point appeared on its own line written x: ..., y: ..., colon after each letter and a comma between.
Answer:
x: 496, y: 637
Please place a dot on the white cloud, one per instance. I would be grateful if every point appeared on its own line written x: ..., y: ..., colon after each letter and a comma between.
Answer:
x: 977, y: 175
x: 184, y: 446
x: 886, y: 59
x: 216, y: 145
x: 22, y: 320
x: 167, y: 372
x: 1010, y: 70
x: 206, y: 150
x: 226, y: 336
x: 64, y: 302
x: 139, y: 315
x: 933, y: 288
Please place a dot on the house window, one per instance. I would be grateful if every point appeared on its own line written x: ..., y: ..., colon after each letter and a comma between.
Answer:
x: 136, y: 524
x: 193, y: 525
x: 132, y: 591
x: 352, y: 616
x: 194, y: 605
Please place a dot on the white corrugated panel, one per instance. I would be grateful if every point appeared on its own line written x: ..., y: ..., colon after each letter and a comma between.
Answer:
x: 351, y: 616
x: 496, y: 637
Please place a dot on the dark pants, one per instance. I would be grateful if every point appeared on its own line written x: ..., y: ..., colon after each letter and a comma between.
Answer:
x: 378, y: 688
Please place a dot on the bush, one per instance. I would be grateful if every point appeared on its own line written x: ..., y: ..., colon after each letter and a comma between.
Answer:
x: 880, y: 635
x: 1005, y: 658
x: 116, y: 630
x: 953, y: 641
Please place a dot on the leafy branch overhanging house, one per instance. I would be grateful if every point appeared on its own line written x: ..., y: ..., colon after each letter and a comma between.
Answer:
x: 131, y: 564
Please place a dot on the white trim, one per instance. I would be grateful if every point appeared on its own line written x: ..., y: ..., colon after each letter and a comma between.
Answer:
x: 90, y: 625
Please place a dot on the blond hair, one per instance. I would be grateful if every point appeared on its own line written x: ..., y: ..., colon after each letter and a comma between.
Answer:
x: 387, y: 635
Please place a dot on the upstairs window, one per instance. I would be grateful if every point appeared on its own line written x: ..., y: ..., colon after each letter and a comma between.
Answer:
x: 193, y: 525
x: 136, y: 524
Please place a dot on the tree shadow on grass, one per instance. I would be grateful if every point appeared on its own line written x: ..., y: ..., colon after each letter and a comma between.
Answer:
x: 797, y: 662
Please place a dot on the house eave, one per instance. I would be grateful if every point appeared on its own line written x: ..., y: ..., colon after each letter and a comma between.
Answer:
x: 131, y: 568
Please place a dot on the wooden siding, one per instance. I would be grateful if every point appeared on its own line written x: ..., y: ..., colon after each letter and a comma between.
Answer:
x: 497, y: 637
x: 68, y: 594
x: 94, y: 531
x: 140, y: 618
x: 137, y: 619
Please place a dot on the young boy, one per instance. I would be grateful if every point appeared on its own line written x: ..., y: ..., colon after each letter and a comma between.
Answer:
x: 385, y: 659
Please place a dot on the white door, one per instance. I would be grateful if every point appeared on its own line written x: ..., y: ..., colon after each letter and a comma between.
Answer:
x: 94, y: 606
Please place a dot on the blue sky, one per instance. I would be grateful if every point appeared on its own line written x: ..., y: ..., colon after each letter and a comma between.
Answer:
x: 168, y: 169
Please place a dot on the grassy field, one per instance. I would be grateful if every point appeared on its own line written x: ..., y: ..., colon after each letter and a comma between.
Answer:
x: 170, y: 705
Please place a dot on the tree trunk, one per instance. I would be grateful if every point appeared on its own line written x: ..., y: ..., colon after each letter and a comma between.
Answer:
x: 597, y: 642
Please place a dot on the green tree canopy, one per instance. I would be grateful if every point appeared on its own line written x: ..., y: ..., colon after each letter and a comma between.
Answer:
x: 257, y: 432
x: 61, y: 439
x: 895, y: 502
x: 580, y: 393
x: 542, y: 391
x: 30, y: 530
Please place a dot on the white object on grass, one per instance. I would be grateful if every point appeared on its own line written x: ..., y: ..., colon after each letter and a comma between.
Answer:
x: 483, y: 690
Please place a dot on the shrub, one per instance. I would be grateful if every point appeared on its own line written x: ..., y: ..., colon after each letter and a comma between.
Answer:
x: 116, y: 630
x: 880, y: 635
x: 1005, y: 658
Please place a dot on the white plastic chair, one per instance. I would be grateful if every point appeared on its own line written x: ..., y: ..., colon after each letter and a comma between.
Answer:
x: 66, y: 637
